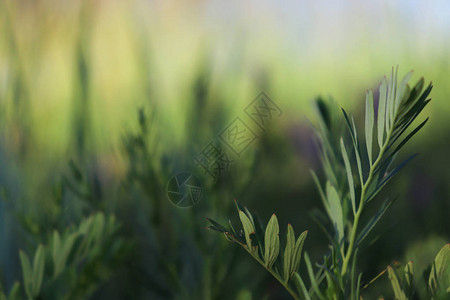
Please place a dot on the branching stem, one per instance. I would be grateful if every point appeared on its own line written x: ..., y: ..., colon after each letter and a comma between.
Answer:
x: 364, y: 188
x: 274, y: 274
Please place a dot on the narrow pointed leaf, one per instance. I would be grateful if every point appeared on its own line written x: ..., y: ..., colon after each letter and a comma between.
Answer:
x: 357, y: 152
x: 398, y: 292
x: 392, y: 95
x: 335, y: 210
x: 358, y: 287
x: 440, y: 265
x: 409, y: 136
x: 382, y: 112
x: 27, y: 273
x: 14, y: 293
x: 56, y: 248
x: 298, y: 252
x: 288, y: 253
x: 259, y: 232
x: 312, y: 278
x: 402, y: 92
x: 415, y: 93
x: 66, y: 249
x: 371, y: 224
x: 321, y: 193
x: 216, y: 226
x: 370, y: 119
x: 349, y: 125
x: 272, y: 241
x: 248, y: 229
x: 409, y: 274
x: 348, y: 168
x: 387, y: 177
x: 38, y: 270
x: 301, y: 288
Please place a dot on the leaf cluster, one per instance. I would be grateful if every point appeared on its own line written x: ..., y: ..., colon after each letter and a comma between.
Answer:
x: 57, y: 268
x: 408, y: 285
x: 264, y: 245
x: 355, y: 170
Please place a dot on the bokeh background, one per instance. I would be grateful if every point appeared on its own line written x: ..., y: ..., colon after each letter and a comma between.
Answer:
x: 124, y: 93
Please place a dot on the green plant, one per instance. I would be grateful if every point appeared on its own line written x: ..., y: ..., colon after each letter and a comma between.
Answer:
x: 409, y: 285
x: 354, y: 176
x: 73, y: 263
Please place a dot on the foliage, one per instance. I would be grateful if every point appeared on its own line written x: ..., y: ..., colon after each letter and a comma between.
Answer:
x: 63, y: 269
x: 353, y: 178
x: 411, y: 284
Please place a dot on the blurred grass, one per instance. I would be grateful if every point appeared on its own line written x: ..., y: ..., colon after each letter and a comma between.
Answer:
x: 138, y: 52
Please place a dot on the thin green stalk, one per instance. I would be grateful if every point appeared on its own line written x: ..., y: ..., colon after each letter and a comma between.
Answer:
x: 361, y: 204
x: 274, y: 274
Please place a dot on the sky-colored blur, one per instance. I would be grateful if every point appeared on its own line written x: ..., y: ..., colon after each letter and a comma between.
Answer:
x: 140, y: 52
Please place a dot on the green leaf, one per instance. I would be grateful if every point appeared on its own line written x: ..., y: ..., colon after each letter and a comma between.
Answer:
x: 272, y: 242
x: 289, y: 253
x: 349, y: 125
x: 38, y: 270
x: 415, y: 107
x: 391, y: 96
x: 353, y: 275
x: 298, y: 251
x: 216, y: 226
x: 370, y: 119
x: 248, y: 229
x: 440, y: 264
x: 399, y: 294
x: 403, y: 91
x: 357, y: 152
x: 27, y: 274
x: 358, y: 287
x: 321, y: 193
x: 293, y: 253
x: 335, y: 210
x: 259, y: 232
x: 382, y: 113
x: 56, y: 248
x: 348, y: 168
x: 387, y: 177
x: 371, y: 224
x: 312, y: 278
x: 409, y: 274
x: 413, y: 95
x: 14, y: 293
x: 409, y: 136
x: 301, y: 287
x: 61, y: 261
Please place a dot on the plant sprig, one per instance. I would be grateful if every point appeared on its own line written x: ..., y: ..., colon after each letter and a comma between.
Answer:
x: 264, y: 245
x: 353, y: 177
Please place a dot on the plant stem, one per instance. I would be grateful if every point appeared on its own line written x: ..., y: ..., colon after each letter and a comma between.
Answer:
x: 274, y: 274
x: 364, y: 188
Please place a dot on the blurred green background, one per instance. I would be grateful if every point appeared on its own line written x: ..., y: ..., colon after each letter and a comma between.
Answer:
x: 75, y: 74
